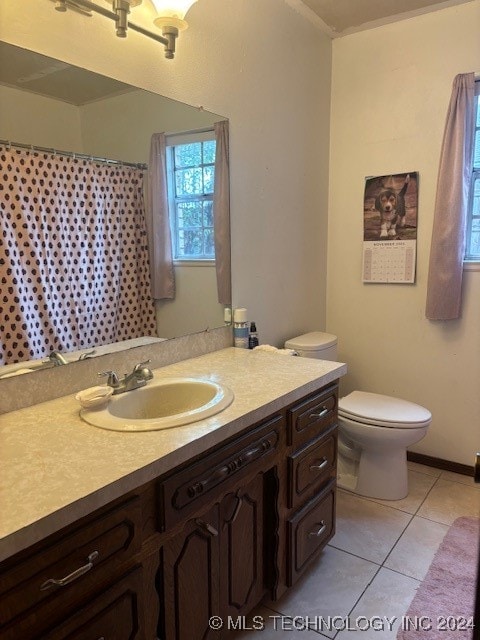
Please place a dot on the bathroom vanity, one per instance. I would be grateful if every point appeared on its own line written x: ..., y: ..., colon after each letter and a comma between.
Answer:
x: 109, y: 535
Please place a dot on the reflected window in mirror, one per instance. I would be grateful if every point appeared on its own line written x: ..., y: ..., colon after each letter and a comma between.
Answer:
x: 191, y: 182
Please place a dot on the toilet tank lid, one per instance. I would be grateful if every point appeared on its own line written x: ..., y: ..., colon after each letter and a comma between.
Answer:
x: 383, y: 409
x: 313, y: 341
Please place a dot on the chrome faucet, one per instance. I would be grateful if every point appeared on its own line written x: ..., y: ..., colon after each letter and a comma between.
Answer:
x: 130, y: 381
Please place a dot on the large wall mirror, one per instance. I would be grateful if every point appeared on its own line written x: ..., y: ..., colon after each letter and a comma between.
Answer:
x: 48, y: 103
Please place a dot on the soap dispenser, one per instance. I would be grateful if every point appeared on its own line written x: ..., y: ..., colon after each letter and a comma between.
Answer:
x: 253, y: 337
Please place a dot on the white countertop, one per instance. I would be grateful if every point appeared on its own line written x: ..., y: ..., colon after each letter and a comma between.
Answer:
x: 55, y: 468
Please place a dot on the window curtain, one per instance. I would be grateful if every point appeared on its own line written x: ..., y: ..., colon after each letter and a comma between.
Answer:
x: 221, y: 214
x: 444, y: 289
x: 74, y: 269
x: 158, y: 224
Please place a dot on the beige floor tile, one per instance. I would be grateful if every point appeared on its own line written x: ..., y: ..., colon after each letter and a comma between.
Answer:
x: 419, y: 484
x: 458, y: 477
x: 366, y: 528
x: 266, y: 624
x: 330, y: 588
x: 422, y: 468
x: 380, y: 609
x: 413, y: 553
x: 448, y: 501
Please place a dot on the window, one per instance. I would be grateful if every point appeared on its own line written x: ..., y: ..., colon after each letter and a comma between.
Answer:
x: 473, y: 225
x: 191, y: 179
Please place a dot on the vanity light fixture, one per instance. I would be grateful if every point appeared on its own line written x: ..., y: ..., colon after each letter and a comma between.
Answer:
x: 170, y: 17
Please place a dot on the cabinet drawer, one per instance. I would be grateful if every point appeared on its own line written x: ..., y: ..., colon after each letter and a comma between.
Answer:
x: 309, y: 418
x: 312, y: 466
x: 114, y: 615
x: 188, y: 490
x: 309, y: 530
x: 69, y: 566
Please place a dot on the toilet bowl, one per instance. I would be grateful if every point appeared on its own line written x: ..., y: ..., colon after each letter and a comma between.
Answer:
x: 374, y: 431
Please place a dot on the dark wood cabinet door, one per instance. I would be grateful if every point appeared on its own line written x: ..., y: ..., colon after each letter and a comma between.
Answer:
x: 241, y: 549
x: 191, y: 579
x: 117, y: 614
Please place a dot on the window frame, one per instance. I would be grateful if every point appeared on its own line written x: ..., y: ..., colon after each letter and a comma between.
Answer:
x: 469, y: 258
x: 173, y: 140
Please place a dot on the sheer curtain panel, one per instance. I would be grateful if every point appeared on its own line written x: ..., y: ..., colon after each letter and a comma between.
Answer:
x: 158, y: 223
x: 221, y: 214
x: 444, y: 292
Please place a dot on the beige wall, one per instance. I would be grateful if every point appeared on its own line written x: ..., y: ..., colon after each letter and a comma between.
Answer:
x: 267, y: 69
x: 196, y: 305
x: 32, y: 119
x: 121, y: 127
x: 390, y: 93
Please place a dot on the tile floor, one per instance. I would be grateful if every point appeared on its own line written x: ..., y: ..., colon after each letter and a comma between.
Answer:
x: 373, y: 565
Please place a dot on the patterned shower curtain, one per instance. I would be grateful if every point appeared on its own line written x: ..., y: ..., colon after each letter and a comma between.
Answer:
x: 74, y: 271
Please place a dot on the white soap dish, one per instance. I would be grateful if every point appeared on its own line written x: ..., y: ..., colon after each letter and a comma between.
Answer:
x: 94, y: 397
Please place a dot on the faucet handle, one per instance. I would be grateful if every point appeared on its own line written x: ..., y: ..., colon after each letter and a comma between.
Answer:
x: 141, y: 365
x: 87, y: 354
x: 112, y: 378
x: 143, y: 372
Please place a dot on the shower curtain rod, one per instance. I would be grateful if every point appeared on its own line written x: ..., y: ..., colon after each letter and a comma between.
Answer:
x: 72, y: 154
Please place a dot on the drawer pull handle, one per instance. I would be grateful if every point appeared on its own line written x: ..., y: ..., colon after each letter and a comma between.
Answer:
x: 318, y: 533
x: 206, y: 527
x: 62, y: 582
x: 319, y: 467
x: 323, y: 412
x: 227, y: 470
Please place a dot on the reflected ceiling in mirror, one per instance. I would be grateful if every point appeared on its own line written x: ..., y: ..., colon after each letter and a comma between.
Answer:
x: 51, y: 104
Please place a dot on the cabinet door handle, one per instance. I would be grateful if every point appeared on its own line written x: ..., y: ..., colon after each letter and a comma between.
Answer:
x: 320, y: 466
x: 236, y: 511
x: 318, y: 533
x: 323, y: 412
x: 62, y: 582
x: 206, y: 527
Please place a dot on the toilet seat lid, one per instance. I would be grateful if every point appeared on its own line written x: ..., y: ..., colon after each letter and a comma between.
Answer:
x: 376, y: 409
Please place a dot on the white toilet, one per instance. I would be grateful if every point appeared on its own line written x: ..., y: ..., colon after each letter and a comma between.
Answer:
x: 374, y: 431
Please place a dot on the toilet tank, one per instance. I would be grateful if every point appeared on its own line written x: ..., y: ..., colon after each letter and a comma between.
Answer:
x: 315, y: 344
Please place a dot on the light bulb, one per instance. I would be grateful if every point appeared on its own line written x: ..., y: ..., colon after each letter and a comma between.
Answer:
x: 172, y: 8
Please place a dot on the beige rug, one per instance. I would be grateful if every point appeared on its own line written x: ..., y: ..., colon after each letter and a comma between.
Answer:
x: 444, y: 603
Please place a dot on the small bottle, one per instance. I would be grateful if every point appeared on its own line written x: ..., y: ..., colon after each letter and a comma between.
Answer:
x: 253, y: 337
x: 240, y: 328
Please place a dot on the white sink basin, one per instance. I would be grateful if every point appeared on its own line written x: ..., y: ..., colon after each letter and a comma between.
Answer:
x: 161, y: 404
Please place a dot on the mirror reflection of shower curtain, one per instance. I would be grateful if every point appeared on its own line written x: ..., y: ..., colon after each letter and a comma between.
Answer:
x: 74, y: 270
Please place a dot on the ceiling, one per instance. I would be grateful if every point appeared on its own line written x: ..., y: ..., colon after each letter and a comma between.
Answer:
x: 341, y: 17
x: 30, y: 71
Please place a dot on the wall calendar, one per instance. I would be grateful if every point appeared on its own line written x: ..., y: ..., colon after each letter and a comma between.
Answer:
x: 390, y: 228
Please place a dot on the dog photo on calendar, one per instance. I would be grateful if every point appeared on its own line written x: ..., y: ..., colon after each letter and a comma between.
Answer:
x: 390, y: 207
